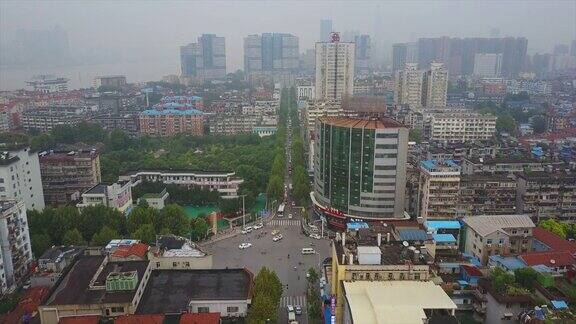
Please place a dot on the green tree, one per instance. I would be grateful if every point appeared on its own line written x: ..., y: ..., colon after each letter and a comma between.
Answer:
x: 312, y: 276
x: 105, y: 235
x: 262, y: 310
x: 554, y: 227
x: 501, y: 279
x: 526, y: 277
x: 40, y: 243
x: 73, y: 237
x: 506, y: 124
x: 140, y: 215
x: 145, y: 234
x: 539, y: 124
x: 275, y: 187
x: 200, y: 228
x: 415, y: 135
x: 174, y: 218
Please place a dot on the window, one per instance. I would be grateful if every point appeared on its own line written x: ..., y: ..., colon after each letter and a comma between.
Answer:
x: 416, y: 276
x: 119, y: 309
x: 174, y: 264
x: 489, y: 241
x: 390, y: 276
x: 377, y: 276
x: 402, y: 276
x: 367, y: 275
x: 514, y: 231
x: 354, y: 276
x: 232, y: 309
x: 157, y: 264
x: 203, y: 309
x: 188, y: 264
x: 387, y: 135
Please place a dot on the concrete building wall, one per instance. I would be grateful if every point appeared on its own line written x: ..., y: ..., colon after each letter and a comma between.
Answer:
x: 20, y: 179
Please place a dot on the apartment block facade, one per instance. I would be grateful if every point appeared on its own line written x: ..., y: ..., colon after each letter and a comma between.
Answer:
x: 67, y: 174
x: 334, y: 69
x: 459, y: 126
x: 170, y: 122
x: 544, y: 195
x: 20, y: 177
x: 487, y: 194
x: 439, y: 188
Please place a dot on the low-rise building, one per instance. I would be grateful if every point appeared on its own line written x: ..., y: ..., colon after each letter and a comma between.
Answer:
x: 20, y: 177
x: 439, y: 189
x: 155, y: 200
x: 544, y: 195
x: 488, y: 235
x: 52, y: 264
x: 67, y: 174
x: 169, y: 122
x: 45, y: 119
x: 178, y: 253
x: 113, y: 81
x: 448, y: 126
x: 116, y: 195
x: 472, y: 165
x: 128, y: 122
x: 232, y: 124
x: 487, y: 194
x: 315, y: 109
x: 306, y: 92
x: 501, y: 308
x: 15, y: 247
x: 226, y: 183
x: 396, y: 302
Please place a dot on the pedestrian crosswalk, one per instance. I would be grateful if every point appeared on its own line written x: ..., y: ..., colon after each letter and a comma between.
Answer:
x: 284, y: 222
x: 293, y: 300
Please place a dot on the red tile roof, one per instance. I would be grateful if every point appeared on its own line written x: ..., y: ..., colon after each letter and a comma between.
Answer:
x: 200, y: 318
x: 473, y: 271
x: 555, y: 242
x: 550, y: 259
x: 138, y: 249
x: 140, y: 319
x: 87, y: 319
x: 28, y: 304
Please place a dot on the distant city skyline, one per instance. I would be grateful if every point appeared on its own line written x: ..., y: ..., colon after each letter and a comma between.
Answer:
x: 151, y: 33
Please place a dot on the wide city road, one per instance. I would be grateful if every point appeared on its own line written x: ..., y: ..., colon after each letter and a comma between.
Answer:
x: 285, y: 256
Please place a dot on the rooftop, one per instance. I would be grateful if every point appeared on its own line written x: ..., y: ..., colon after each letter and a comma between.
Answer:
x: 80, y: 319
x: 200, y: 318
x: 394, y: 302
x: 442, y: 224
x: 170, y: 291
x: 379, y: 123
x: 549, y: 259
x: 140, y: 319
x: 553, y: 241
x: 139, y: 250
x: 74, y: 287
x: 97, y: 189
x: 55, y: 253
x: 440, y: 166
x: 187, y: 112
x: 487, y: 224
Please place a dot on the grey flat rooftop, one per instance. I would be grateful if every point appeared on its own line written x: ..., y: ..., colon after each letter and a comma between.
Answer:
x: 170, y: 291
x: 97, y: 189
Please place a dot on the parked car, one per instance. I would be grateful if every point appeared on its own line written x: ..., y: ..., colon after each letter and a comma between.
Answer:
x: 277, y: 238
x: 290, y: 308
x: 247, y: 230
x: 315, y: 236
x: 258, y: 226
x: 243, y: 246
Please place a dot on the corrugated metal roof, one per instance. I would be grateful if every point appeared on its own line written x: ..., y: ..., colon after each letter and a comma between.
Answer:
x: 412, y: 235
x: 444, y: 238
x: 487, y: 224
x: 442, y: 224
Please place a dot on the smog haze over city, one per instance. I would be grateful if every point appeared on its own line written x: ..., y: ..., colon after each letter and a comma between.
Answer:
x: 288, y: 162
x: 142, y: 38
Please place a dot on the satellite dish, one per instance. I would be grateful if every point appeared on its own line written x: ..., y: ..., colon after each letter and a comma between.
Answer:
x: 405, y: 244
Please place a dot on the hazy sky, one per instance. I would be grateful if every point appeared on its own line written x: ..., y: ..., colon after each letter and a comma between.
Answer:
x: 153, y: 30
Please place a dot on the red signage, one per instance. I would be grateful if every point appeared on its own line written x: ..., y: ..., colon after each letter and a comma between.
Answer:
x: 334, y: 37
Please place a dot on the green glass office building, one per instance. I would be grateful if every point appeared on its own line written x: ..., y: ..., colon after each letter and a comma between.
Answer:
x: 360, y: 167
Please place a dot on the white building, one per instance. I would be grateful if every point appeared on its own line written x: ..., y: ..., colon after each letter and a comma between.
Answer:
x: 438, y: 191
x: 315, y: 109
x: 226, y: 183
x: 436, y: 85
x: 334, y: 69
x: 487, y: 65
x: 306, y: 92
x: 460, y: 126
x: 408, y: 89
x: 48, y: 84
x: 155, y: 200
x: 15, y: 248
x: 20, y: 178
x: 117, y: 195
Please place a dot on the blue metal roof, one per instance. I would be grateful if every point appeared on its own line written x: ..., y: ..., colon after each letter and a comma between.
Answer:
x: 429, y: 164
x: 412, y: 235
x: 153, y: 112
x: 510, y: 263
x: 542, y: 268
x: 442, y: 224
x: 444, y: 238
x: 356, y: 225
x: 559, y: 304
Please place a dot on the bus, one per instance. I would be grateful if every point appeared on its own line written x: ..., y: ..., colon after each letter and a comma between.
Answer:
x: 281, y: 210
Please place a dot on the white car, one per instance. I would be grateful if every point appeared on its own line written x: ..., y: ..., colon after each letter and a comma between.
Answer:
x: 258, y: 226
x: 289, y: 216
x: 315, y: 236
x: 290, y: 308
x: 277, y: 238
x: 244, y: 246
x: 247, y: 230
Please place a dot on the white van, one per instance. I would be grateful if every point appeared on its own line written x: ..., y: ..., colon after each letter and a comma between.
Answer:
x: 308, y: 251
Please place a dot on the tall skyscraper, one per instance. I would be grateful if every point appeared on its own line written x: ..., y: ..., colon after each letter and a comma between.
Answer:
x: 271, y: 52
x: 435, y: 86
x: 334, y: 69
x: 325, y: 29
x: 399, y: 52
x: 359, y: 169
x: 363, y: 50
x: 408, y: 89
x: 205, y: 59
x: 487, y: 65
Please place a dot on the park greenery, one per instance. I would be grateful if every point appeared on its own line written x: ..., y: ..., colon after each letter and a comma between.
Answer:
x: 510, y: 117
x: 300, y: 180
x: 275, y: 187
x: 266, y: 297
x: 97, y: 225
